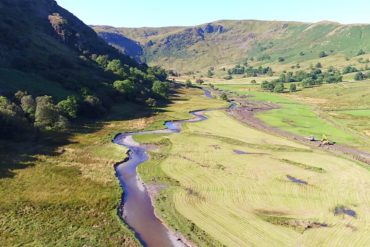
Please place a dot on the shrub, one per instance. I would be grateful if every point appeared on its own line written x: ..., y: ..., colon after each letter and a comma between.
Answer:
x: 279, y: 88
x: 188, y: 83
x: 292, y: 88
x: 323, y: 54
x: 361, y: 52
x: 224, y: 97
x: 359, y: 76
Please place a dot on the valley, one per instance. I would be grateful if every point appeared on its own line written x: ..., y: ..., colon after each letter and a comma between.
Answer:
x: 228, y: 133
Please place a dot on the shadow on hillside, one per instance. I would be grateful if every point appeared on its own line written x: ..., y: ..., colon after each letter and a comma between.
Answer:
x: 21, y: 153
x: 17, y: 154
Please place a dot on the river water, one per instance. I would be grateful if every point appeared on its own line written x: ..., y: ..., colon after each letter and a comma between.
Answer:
x: 136, y: 207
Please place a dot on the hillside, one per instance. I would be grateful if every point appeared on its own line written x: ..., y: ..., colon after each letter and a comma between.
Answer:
x: 47, y: 44
x: 226, y: 43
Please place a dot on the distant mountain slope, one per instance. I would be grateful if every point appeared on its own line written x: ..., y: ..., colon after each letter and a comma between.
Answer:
x: 229, y: 42
x: 48, y: 43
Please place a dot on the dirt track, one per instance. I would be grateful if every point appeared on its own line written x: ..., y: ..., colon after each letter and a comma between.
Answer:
x: 246, y: 113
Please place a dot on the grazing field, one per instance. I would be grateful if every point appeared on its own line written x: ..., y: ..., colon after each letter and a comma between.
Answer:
x: 63, y: 190
x: 318, y: 111
x: 243, y: 187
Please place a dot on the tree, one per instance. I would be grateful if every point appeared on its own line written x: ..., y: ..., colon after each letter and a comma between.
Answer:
x: 210, y: 73
x: 323, y: 54
x: 224, y: 97
x: 318, y: 65
x: 19, y: 95
x: 28, y: 105
x: 301, y: 53
x: 359, y: 76
x: 228, y: 77
x: 361, y: 52
x: 281, y: 59
x: 126, y: 87
x: 253, y: 81
x: 12, y: 120
x: 279, y: 88
x: 47, y: 115
x: 292, y: 88
x: 161, y: 88
x: 349, y: 69
x: 69, y: 107
x: 308, y: 82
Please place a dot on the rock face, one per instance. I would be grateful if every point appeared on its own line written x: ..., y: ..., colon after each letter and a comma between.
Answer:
x: 125, y: 45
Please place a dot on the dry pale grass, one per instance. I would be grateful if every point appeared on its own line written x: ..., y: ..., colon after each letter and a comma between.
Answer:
x: 248, y: 200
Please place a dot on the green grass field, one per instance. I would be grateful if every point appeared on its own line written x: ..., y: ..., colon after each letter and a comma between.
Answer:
x: 248, y: 199
x: 316, y: 112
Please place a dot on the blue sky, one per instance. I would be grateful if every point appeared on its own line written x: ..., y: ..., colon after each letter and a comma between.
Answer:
x: 154, y: 13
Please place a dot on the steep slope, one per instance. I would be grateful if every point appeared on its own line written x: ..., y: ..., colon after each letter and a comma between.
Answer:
x: 45, y: 43
x: 224, y: 43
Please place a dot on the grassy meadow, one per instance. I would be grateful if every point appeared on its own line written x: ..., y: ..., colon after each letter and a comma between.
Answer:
x: 63, y: 191
x: 317, y: 111
x: 278, y: 193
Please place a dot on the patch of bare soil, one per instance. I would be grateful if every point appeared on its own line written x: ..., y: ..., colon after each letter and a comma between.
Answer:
x: 246, y: 114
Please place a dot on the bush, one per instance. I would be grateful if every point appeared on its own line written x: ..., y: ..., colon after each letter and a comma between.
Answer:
x: 361, y: 52
x: 253, y: 81
x: 323, y: 54
x: 281, y: 59
x: 268, y: 86
x: 224, y: 97
x: 228, y: 77
x: 292, y: 88
x: 349, y: 69
x: 308, y: 82
x: 359, y: 76
x: 188, y: 83
x: 279, y: 88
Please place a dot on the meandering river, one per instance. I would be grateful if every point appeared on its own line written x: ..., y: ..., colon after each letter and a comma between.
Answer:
x: 136, y: 207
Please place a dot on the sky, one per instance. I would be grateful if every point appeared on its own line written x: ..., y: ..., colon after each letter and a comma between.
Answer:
x: 157, y: 13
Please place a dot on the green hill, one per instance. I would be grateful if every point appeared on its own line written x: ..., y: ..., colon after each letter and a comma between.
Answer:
x: 226, y: 43
x: 42, y: 43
